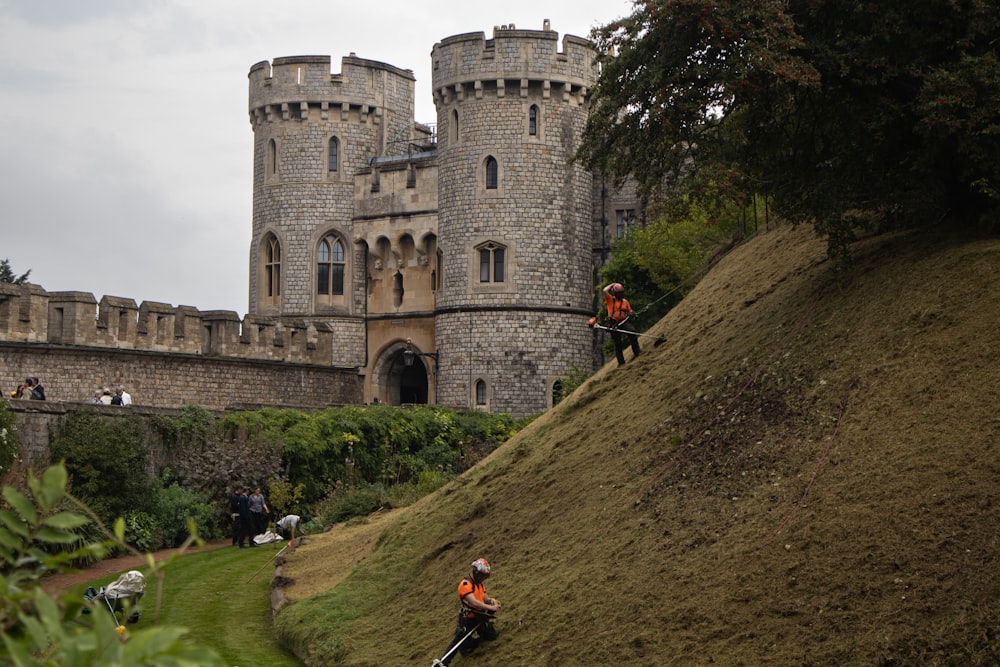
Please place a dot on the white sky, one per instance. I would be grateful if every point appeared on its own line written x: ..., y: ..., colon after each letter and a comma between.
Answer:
x: 126, y: 164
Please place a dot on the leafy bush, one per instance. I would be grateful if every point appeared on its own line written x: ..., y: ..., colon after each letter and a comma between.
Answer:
x: 143, y: 531
x: 107, y: 461
x: 174, y: 505
x: 8, y: 439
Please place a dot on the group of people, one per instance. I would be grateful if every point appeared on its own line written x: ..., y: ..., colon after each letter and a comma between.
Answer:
x: 248, y: 510
x: 31, y: 388
x: 104, y: 396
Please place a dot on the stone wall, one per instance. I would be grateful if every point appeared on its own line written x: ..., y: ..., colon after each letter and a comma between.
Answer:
x: 165, y: 379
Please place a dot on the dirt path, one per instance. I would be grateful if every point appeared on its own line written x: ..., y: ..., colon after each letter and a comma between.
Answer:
x: 60, y: 582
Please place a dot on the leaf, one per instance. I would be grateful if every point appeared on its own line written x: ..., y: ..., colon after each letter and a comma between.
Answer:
x: 55, y: 536
x: 53, y: 485
x: 21, y: 503
x: 120, y: 529
x: 13, y: 523
x: 66, y: 520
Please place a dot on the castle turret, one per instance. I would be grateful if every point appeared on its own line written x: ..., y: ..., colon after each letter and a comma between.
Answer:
x: 313, y: 131
x: 514, y: 219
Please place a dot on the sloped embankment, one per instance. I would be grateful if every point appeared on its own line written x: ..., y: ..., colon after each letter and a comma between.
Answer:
x: 805, y: 473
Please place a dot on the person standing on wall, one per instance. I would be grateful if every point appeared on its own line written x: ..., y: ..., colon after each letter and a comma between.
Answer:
x: 619, y: 312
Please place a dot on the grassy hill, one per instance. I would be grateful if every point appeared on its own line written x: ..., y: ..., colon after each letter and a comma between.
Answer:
x: 806, y: 473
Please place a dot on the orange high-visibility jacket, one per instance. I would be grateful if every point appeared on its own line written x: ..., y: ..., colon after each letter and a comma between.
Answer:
x: 619, y: 310
x: 478, y: 591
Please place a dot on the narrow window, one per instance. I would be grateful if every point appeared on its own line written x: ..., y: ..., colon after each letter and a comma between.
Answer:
x: 272, y: 267
x: 533, y: 120
x: 624, y: 220
x: 453, y: 130
x: 491, y: 173
x: 557, y: 392
x: 492, y: 263
x: 333, y: 154
x: 480, y: 392
x: 330, y: 266
x: 272, y: 158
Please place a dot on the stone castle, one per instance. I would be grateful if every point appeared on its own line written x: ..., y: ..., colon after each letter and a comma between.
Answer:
x: 452, y: 264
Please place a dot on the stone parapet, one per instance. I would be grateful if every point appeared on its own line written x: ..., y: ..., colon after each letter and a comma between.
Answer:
x: 29, y: 314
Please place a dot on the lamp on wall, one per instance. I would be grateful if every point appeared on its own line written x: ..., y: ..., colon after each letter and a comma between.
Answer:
x: 409, y: 354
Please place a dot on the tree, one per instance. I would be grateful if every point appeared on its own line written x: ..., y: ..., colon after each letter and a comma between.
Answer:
x: 863, y: 114
x: 7, y: 273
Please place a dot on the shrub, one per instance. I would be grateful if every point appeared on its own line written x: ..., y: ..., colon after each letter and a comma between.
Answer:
x: 8, y: 439
x: 174, y: 505
x: 107, y: 462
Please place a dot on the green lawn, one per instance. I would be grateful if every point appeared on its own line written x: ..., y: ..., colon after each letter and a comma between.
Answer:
x: 208, y: 593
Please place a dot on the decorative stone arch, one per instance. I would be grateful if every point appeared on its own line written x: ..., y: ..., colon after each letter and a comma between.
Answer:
x: 333, y: 157
x: 271, y: 170
x: 395, y: 383
x: 454, y: 134
x: 487, y: 161
x: 557, y: 390
x: 482, y: 394
x: 534, y: 128
x: 270, y: 268
x: 331, y: 267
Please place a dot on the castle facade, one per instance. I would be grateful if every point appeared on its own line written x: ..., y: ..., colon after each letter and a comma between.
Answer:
x: 452, y: 263
x: 454, y: 267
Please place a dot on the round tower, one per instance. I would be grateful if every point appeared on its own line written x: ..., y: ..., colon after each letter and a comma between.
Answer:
x: 514, y: 216
x: 313, y: 131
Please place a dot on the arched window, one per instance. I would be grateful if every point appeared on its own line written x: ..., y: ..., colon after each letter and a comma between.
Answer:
x: 272, y: 158
x: 533, y: 120
x: 492, y: 262
x: 330, y: 265
x: 492, y: 173
x: 272, y: 267
x: 480, y: 392
x: 333, y: 154
x: 557, y: 392
x: 453, y: 129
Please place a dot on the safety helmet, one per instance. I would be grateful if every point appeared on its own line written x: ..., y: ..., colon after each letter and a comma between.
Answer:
x: 617, y: 288
x: 480, y: 568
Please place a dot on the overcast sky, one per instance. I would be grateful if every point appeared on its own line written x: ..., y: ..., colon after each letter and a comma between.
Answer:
x: 126, y: 164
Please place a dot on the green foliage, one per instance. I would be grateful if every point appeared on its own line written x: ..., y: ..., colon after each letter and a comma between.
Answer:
x: 142, y: 531
x: 844, y: 115
x: 286, y: 497
x: 38, y: 534
x: 107, y: 461
x: 174, y: 506
x: 574, y: 378
x: 8, y: 439
x: 7, y: 274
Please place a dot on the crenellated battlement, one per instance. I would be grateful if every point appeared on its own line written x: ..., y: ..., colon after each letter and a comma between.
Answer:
x: 297, y: 87
x: 511, y: 63
x: 29, y: 314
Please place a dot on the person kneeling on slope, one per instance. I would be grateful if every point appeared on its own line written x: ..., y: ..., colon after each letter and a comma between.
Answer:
x: 475, y: 619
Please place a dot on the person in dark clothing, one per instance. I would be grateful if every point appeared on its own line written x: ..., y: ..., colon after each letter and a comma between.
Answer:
x: 246, y: 519
x: 234, y: 512
x: 37, y: 390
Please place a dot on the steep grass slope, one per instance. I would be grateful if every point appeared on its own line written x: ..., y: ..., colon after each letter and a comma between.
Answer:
x: 806, y: 473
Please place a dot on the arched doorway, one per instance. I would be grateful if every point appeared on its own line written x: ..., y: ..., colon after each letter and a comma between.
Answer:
x: 413, y: 383
x: 398, y: 383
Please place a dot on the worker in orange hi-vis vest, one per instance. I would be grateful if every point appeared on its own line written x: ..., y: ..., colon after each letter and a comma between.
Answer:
x: 476, y: 614
x: 619, y: 312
